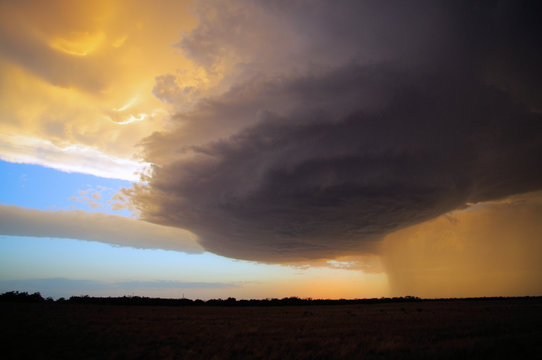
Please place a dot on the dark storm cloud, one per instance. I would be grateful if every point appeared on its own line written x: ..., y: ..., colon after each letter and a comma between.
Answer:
x: 423, y: 109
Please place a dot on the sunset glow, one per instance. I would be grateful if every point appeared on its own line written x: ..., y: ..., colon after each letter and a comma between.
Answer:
x: 267, y: 149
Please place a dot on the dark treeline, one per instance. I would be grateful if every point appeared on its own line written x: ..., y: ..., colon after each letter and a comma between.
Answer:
x: 23, y: 297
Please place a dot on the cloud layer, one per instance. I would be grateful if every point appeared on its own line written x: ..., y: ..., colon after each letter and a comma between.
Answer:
x: 354, y: 120
x: 111, y: 229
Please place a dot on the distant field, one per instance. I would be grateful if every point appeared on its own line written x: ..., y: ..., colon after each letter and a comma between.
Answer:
x: 491, y: 329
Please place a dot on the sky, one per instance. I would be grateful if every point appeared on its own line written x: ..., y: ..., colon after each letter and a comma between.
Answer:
x: 265, y: 149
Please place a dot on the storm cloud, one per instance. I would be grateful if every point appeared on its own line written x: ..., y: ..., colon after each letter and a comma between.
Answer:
x: 368, y: 119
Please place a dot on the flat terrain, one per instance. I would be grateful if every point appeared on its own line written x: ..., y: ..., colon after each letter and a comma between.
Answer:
x: 502, y: 329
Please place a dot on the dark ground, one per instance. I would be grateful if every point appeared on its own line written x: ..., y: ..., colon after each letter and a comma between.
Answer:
x: 460, y: 329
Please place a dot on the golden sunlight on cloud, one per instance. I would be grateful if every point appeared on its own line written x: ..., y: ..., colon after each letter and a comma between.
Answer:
x: 78, y: 158
x: 83, y: 73
x: 78, y: 43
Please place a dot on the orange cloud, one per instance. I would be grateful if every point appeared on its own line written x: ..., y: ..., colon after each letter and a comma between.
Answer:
x: 82, y: 74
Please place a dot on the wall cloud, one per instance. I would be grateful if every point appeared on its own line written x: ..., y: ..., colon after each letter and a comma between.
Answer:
x: 353, y: 120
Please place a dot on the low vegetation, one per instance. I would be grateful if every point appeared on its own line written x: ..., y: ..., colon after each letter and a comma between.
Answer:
x: 90, y: 328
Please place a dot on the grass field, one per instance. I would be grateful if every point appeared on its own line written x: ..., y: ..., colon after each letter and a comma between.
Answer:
x: 490, y: 329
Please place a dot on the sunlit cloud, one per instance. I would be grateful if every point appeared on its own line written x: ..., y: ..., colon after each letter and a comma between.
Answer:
x: 78, y: 43
x: 78, y: 158
x: 81, y: 76
x: 127, y: 105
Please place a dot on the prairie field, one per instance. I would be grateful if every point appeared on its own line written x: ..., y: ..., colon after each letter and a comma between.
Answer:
x: 459, y: 329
